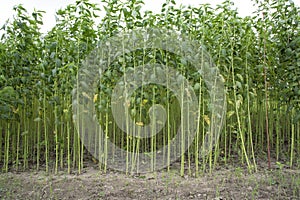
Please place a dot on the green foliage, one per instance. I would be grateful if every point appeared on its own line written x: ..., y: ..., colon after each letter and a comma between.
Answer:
x: 38, y: 72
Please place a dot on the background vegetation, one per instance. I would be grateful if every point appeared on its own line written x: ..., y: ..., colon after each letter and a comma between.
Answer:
x: 259, y: 58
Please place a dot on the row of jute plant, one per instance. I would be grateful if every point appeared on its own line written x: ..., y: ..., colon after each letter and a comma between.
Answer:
x: 258, y: 57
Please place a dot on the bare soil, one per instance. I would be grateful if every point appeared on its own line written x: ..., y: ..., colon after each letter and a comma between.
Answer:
x: 224, y: 183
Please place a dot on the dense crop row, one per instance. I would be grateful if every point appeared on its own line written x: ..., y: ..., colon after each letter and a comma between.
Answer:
x: 258, y: 57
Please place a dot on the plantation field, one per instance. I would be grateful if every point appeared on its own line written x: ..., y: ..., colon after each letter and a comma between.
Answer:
x: 224, y: 183
x: 203, y: 100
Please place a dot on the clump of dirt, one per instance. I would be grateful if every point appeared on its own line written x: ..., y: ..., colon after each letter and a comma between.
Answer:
x: 232, y: 183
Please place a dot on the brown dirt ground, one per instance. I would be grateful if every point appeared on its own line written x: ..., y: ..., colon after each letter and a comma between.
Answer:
x: 226, y: 183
